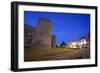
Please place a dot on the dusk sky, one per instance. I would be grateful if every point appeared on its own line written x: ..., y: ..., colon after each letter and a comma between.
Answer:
x: 66, y: 26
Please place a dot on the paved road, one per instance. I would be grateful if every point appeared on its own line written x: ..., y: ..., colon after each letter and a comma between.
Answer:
x: 82, y: 53
x: 71, y: 55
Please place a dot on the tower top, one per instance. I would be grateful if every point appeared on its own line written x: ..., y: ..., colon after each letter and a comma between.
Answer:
x: 44, y: 22
x: 45, y: 19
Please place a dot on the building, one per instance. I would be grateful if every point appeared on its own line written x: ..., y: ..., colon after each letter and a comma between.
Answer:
x: 73, y: 44
x: 53, y: 41
x: 41, y: 36
x: 84, y: 42
x: 28, y: 34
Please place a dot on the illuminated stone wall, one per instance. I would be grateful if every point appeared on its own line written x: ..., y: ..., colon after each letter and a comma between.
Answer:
x: 43, y: 34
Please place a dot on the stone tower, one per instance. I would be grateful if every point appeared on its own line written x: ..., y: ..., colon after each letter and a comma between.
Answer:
x: 53, y: 41
x: 43, y: 34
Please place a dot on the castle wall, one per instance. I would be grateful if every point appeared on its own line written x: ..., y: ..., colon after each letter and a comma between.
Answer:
x: 39, y: 37
x: 28, y: 34
x: 43, y: 35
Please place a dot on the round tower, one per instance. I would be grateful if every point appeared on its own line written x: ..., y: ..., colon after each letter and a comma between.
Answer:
x: 43, y: 34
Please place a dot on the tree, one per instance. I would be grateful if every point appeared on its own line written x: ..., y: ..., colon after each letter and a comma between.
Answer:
x: 63, y: 44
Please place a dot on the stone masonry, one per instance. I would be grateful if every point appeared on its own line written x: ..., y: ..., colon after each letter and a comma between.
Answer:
x: 41, y: 35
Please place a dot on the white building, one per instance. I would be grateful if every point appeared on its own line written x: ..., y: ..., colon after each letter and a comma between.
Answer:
x: 77, y: 44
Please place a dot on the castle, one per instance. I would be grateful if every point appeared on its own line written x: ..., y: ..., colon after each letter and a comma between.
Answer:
x: 39, y: 37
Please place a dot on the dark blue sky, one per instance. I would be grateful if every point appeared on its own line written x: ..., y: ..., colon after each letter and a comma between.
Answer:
x: 66, y: 26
